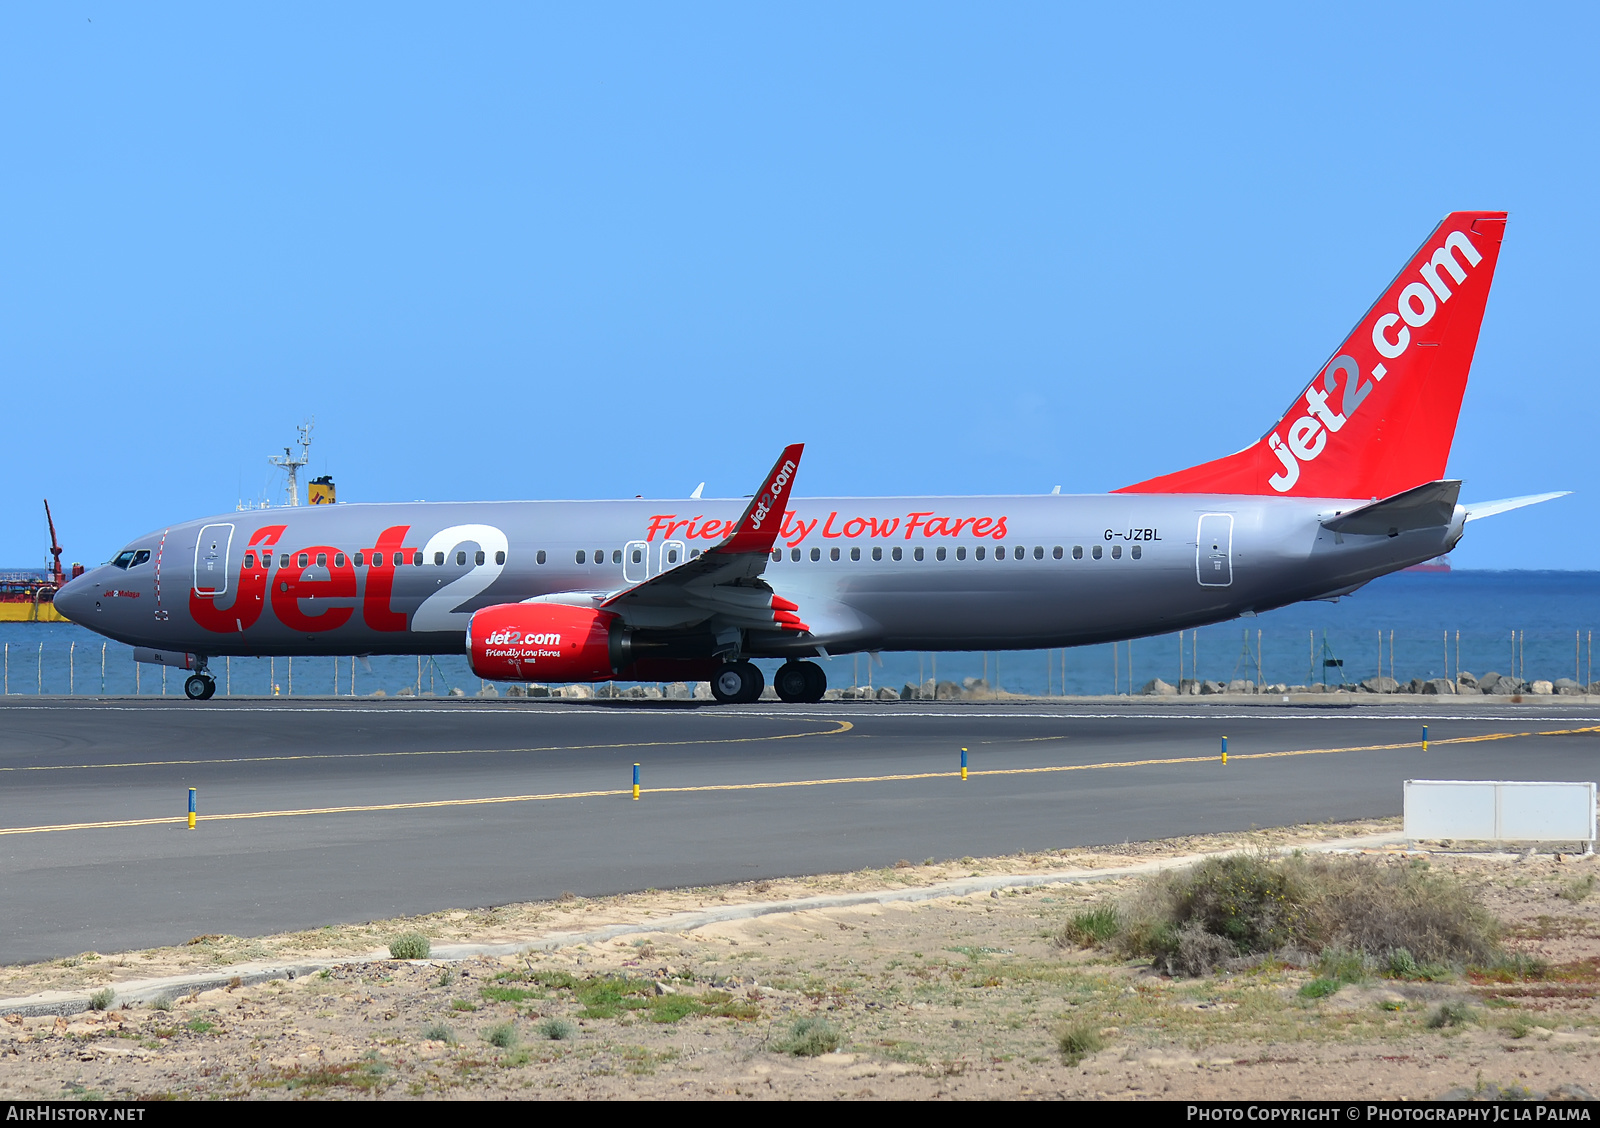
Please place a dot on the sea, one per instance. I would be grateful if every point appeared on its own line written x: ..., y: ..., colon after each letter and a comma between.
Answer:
x: 1409, y: 625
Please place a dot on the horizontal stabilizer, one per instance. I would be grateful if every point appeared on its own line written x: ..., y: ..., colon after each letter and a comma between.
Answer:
x: 1427, y: 506
x: 1506, y: 504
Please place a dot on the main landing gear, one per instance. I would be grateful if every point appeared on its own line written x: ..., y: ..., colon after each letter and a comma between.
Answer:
x: 737, y: 683
x: 801, y: 683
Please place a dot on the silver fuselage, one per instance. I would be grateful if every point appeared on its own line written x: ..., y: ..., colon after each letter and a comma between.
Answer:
x: 871, y: 574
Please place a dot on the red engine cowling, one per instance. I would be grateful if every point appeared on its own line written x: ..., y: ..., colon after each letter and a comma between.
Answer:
x: 546, y: 642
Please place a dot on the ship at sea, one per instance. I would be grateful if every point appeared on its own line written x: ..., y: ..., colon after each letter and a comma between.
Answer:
x: 28, y: 596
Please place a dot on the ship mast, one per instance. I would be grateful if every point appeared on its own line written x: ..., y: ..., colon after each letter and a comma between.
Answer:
x: 291, y: 464
x: 56, y: 574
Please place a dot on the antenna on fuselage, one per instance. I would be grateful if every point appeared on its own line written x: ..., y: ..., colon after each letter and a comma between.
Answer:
x: 291, y: 464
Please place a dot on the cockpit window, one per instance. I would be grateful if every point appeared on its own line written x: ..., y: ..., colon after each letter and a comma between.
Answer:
x: 123, y: 559
x: 140, y: 557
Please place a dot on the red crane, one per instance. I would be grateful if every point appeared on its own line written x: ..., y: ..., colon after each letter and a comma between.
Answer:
x: 57, y: 576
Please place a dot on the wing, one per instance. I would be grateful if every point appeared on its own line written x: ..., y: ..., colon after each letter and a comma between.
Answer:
x: 724, y: 582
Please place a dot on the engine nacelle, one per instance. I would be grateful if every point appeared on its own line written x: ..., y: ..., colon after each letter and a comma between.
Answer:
x: 546, y: 642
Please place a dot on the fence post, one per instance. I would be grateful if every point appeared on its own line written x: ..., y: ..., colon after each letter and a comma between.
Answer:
x: 102, y: 669
x: 41, y: 668
x: 72, y: 668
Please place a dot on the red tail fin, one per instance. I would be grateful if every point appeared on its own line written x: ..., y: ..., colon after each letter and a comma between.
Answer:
x: 1380, y: 416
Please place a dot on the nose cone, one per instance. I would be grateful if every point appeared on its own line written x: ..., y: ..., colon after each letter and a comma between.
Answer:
x: 76, y: 599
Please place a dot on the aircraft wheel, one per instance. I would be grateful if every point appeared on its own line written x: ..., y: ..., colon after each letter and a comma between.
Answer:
x: 816, y: 682
x: 793, y: 682
x: 737, y: 683
x: 199, y: 687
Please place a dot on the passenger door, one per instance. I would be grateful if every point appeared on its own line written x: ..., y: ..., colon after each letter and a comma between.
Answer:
x: 1213, y: 554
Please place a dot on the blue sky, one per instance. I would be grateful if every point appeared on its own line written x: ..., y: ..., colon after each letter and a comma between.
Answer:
x: 595, y: 251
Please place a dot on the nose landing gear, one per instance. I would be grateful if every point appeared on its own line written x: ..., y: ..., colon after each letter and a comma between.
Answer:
x: 199, y: 687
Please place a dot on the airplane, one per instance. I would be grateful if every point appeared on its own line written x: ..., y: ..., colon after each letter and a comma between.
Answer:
x: 1346, y: 486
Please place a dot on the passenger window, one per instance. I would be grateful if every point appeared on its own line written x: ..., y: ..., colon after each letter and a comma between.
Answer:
x: 1116, y: 552
x: 478, y: 559
x: 416, y: 559
x: 917, y: 553
x: 777, y: 555
x: 637, y: 556
x: 338, y: 560
x: 1018, y: 551
x: 283, y: 560
x: 1038, y: 551
x: 250, y: 561
x: 672, y: 555
x: 461, y: 558
x: 693, y: 552
x: 361, y: 559
x: 1096, y: 552
x: 961, y: 552
x: 1077, y: 552
x: 1137, y: 552
x: 616, y: 556
x: 794, y: 554
x: 322, y: 560
x: 500, y: 557
x: 978, y: 552
x: 833, y: 554
x: 538, y: 559
x: 1056, y: 552
x: 877, y: 553
x: 855, y: 554
x: 895, y: 553
x: 303, y: 560
x: 438, y: 560
x: 939, y: 552
x: 816, y: 554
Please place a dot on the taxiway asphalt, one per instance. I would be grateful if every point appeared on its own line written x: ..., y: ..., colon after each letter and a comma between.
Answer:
x: 323, y: 811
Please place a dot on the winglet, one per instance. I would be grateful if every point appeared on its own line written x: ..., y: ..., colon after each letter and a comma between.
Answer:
x: 758, y: 527
x: 1506, y: 505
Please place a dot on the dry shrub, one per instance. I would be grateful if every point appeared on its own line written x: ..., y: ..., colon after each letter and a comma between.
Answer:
x: 1190, y: 922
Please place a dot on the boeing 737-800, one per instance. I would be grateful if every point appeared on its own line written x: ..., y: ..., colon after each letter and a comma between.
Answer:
x: 1348, y: 485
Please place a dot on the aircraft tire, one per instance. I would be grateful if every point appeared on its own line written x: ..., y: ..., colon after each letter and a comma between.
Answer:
x: 198, y: 687
x: 731, y: 683
x: 793, y: 682
x: 755, y: 682
x: 816, y: 683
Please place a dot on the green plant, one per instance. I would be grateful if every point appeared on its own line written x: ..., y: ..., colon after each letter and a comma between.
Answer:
x: 809, y: 1036
x: 503, y: 1036
x: 463, y: 1005
x: 200, y: 1026
x: 439, y: 1032
x: 1089, y: 927
x: 101, y: 999
x: 410, y: 946
x: 161, y: 1003
x: 1320, y: 988
x: 556, y: 1030
x: 1452, y: 1013
x: 1579, y: 889
x: 1078, y: 1040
